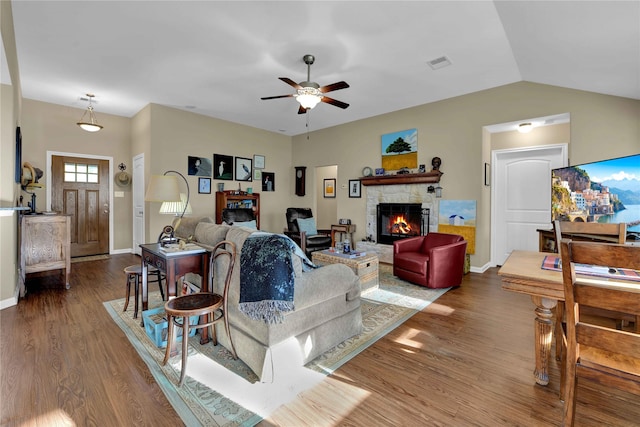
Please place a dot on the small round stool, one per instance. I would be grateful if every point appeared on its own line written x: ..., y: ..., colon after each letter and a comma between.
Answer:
x: 134, y: 274
x: 198, y: 304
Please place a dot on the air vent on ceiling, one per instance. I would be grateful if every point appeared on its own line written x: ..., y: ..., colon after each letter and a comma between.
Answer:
x: 440, y: 62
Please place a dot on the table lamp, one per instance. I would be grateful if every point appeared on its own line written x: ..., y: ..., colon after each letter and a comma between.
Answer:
x: 164, y: 188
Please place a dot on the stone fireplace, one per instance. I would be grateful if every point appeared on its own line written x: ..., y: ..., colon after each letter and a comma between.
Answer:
x: 397, y: 221
x: 415, y: 194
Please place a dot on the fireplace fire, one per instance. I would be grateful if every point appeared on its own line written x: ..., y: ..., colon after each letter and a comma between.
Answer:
x: 399, y: 221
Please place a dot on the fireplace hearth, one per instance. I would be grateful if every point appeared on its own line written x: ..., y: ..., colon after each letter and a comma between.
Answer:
x: 399, y: 221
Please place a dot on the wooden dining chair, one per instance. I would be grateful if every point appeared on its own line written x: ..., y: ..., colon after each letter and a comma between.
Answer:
x: 603, y: 354
x: 613, y: 233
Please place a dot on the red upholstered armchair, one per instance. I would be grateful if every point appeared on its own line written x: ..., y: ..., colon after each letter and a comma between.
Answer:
x: 435, y: 260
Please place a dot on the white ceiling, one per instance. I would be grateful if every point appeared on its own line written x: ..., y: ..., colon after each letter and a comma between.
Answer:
x: 218, y: 58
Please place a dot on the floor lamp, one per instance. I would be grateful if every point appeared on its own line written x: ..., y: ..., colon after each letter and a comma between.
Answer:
x: 165, y: 188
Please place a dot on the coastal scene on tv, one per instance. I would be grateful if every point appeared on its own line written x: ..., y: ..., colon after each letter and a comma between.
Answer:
x: 607, y: 191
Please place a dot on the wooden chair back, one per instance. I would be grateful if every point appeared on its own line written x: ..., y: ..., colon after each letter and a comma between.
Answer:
x: 613, y: 233
x: 603, y: 354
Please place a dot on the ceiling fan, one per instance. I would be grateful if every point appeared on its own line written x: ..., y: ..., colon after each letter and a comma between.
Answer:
x: 309, y: 93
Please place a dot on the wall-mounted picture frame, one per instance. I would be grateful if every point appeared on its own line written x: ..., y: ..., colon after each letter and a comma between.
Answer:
x: 257, y: 175
x: 18, y: 168
x: 355, y: 189
x: 268, y: 181
x: 258, y: 161
x: 204, y: 185
x: 199, y: 166
x: 487, y: 174
x: 329, y: 188
x: 244, y: 167
x: 223, y: 167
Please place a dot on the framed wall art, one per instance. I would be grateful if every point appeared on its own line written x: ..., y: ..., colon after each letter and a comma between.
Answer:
x: 243, y: 169
x: 355, y: 188
x: 204, y: 185
x: 199, y: 166
x: 268, y: 181
x: 257, y: 175
x: 223, y: 167
x: 400, y: 150
x: 330, y: 188
x: 258, y: 161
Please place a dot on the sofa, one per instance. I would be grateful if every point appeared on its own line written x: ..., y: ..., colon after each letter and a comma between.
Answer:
x: 326, y: 300
x: 435, y: 260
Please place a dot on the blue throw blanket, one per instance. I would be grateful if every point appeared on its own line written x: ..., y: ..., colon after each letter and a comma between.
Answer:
x: 266, y: 277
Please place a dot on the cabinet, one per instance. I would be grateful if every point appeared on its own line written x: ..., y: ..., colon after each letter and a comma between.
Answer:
x: 45, y: 244
x: 237, y: 200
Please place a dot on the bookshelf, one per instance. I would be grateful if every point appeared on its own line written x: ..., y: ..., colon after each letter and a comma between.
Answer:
x: 237, y: 200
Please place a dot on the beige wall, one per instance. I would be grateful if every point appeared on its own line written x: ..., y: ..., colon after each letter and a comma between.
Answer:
x: 50, y: 127
x: 177, y: 134
x: 453, y: 130
x: 9, y: 193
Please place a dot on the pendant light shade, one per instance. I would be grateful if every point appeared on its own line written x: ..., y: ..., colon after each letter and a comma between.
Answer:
x: 91, y: 125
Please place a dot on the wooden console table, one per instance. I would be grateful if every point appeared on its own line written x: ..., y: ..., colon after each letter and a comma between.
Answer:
x: 45, y: 244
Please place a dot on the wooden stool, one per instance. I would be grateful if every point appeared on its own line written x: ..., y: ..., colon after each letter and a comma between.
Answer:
x: 198, y: 304
x: 134, y: 273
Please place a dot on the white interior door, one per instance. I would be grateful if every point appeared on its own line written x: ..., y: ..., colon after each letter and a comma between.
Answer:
x: 138, y: 203
x: 521, y: 197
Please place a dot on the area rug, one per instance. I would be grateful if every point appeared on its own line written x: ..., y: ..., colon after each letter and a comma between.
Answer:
x: 89, y: 258
x: 220, y: 391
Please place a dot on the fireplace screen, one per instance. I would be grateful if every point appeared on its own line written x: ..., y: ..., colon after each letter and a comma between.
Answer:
x: 400, y: 220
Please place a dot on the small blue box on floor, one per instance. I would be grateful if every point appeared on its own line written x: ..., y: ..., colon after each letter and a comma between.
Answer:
x: 156, y: 324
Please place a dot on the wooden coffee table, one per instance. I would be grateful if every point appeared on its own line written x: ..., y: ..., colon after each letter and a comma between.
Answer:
x: 365, y: 266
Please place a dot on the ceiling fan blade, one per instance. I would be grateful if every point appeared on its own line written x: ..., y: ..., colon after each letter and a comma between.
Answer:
x: 302, y: 110
x: 290, y: 82
x: 275, y: 97
x: 334, y: 86
x: 334, y: 102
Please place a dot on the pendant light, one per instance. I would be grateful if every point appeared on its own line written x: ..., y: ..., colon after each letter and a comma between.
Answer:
x: 92, y: 125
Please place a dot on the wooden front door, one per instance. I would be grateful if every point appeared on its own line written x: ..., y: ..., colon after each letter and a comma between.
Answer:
x: 80, y: 188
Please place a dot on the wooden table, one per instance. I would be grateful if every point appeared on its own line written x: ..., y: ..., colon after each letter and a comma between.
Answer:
x: 343, y: 229
x: 174, y: 265
x: 522, y: 273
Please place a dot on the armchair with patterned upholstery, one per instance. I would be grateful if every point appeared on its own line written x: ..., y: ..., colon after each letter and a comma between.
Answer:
x: 435, y: 260
x: 302, y: 229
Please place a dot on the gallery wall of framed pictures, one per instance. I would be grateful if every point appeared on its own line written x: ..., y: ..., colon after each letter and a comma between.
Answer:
x: 230, y: 168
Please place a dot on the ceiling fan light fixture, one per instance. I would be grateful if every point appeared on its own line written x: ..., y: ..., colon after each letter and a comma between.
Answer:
x: 308, y: 97
x: 91, y: 125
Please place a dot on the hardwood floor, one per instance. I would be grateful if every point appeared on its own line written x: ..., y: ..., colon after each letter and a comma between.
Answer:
x: 466, y: 360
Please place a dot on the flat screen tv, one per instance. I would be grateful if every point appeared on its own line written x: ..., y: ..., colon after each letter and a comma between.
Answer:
x: 603, y: 191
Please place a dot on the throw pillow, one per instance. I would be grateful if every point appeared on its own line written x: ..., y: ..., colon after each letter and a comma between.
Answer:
x: 248, y: 224
x: 308, y: 225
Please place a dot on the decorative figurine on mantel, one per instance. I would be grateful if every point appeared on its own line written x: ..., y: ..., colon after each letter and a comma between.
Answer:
x: 436, y: 162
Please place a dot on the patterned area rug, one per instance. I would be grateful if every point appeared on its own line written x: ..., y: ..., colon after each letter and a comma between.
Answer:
x: 220, y: 391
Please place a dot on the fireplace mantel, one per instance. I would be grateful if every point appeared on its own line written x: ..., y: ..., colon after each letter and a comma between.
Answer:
x: 409, y: 178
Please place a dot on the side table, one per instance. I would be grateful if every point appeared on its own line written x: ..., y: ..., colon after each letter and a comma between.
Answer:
x: 343, y: 229
x: 174, y: 265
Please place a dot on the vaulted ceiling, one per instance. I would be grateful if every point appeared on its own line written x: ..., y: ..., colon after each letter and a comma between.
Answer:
x: 218, y: 58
